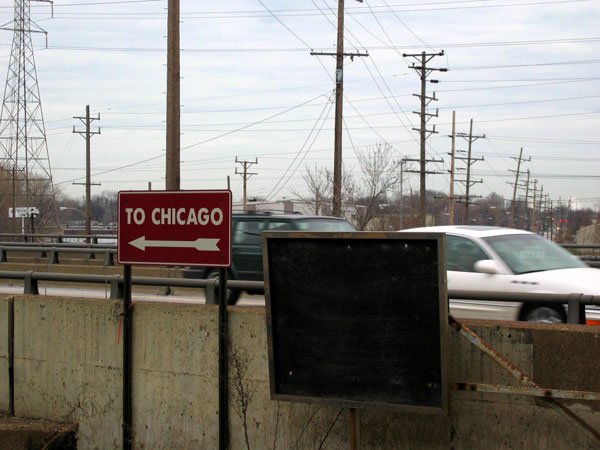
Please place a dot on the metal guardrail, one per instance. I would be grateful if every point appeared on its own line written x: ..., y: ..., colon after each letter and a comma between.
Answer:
x: 109, y: 250
x: 586, y: 246
x: 576, y: 302
x: 90, y: 251
x: 31, y: 279
x: 28, y: 237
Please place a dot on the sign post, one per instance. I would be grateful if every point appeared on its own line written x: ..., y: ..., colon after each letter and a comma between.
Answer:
x: 22, y: 212
x: 175, y: 228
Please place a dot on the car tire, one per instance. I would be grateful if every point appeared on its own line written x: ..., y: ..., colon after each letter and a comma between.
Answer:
x: 232, y: 294
x: 544, y: 313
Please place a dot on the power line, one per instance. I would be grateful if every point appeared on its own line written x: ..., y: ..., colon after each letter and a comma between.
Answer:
x: 303, y: 49
x: 201, y: 142
x: 232, y: 14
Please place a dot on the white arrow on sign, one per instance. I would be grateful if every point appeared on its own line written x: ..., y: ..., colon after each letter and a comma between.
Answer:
x: 207, y: 245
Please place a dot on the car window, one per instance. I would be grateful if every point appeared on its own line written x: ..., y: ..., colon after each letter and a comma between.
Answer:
x: 462, y: 254
x: 324, y: 224
x: 276, y: 225
x: 248, y: 232
x: 526, y: 253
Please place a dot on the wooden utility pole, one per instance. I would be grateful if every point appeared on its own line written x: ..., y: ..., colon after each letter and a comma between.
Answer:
x: 451, y: 198
x: 470, y: 161
x: 172, y: 175
x: 452, y: 153
x: 533, y: 209
x: 527, y: 199
x: 402, y: 162
x: 339, y: 97
x: 423, y: 71
x: 516, y: 185
x: 87, y: 135
x: 245, y: 176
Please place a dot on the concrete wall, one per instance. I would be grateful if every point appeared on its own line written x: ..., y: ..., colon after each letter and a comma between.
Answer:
x: 68, y: 368
x: 5, y: 316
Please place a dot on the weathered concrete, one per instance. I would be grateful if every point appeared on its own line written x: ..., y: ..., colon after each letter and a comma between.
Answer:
x: 5, y: 307
x: 68, y: 369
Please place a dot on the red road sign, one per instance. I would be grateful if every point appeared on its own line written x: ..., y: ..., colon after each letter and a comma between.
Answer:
x: 191, y: 228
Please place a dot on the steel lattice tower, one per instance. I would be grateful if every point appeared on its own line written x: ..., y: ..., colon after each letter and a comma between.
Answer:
x: 24, y: 154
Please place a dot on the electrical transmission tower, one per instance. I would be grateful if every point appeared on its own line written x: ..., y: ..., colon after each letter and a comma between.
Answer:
x: 23, y: 146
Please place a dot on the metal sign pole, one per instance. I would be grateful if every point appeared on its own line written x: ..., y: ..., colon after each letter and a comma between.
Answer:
x: 223, y: 395
x: 127, y: 327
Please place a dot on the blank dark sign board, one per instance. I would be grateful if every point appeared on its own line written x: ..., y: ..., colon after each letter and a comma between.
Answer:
x: 357, y: 319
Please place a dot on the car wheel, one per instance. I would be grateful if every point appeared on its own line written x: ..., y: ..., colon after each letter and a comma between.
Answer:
x: 544, y: 313
x: 232, y: 294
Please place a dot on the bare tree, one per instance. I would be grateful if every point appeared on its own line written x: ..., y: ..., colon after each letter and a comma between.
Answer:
x: 319, y: 184
x: 37, y: 192
x: 380, y: 174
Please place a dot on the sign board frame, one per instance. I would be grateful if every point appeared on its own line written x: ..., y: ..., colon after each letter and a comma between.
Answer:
x: 175, y: 228
x: 23, y: 211
x: 308, y: 334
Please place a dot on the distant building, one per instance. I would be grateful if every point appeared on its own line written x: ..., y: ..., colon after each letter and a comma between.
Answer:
x: 279, y: 206
x: 589, y: 235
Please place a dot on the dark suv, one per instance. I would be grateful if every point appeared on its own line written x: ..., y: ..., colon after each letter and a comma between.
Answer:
x: 247, y: 246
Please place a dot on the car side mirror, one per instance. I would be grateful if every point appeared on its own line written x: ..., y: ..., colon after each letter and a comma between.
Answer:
x: 487, y: 266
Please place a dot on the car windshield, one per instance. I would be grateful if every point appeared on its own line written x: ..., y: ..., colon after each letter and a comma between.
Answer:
x: 524, y: 253
x: 324, y: 225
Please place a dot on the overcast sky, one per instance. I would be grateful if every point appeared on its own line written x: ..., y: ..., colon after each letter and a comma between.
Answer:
x: 525, y: 71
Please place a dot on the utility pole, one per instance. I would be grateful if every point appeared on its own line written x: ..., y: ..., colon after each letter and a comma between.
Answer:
x: 540, y: 203
x: 551, y: 223
x: 568, y: 215
x: 527, y: 199
x: 402, y: 162
x: 423, y: 71
x: 451, y: 197
x: 533, y: 209
x: 339, y: 96
x: 512, y: 208
x: 173, y: 175
x: 87, y: 135
x: 245, y: 175
x: 452, y: 154
x: 422, y: 218
x: 470, y: 161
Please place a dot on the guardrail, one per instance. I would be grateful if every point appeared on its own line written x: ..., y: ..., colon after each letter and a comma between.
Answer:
x: 575, y: 302
x: 54, y: 251
x: 31, y: 279
x: 29, y: 237
x: 109, y: 250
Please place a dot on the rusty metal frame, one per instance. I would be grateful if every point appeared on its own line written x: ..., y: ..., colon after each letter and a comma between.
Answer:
x: 527, y: 391
x: 513, y: 370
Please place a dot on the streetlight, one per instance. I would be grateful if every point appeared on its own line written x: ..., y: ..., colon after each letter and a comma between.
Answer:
x: 65, y: 208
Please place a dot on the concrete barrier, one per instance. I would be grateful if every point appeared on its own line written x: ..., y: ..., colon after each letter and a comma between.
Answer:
x: 68, y: 367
